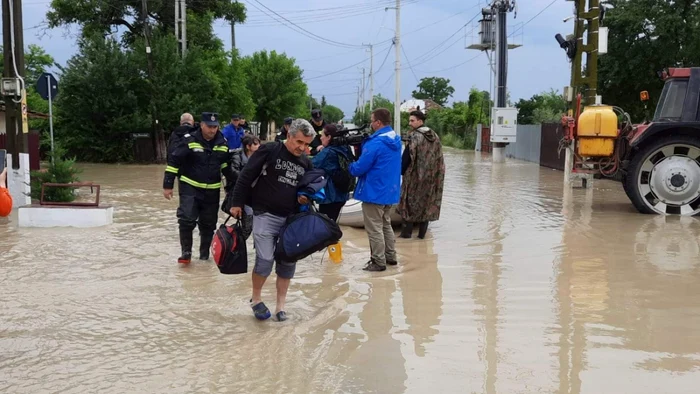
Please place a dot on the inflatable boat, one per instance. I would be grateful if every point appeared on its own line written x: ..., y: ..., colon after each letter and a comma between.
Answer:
x: 351, y: 215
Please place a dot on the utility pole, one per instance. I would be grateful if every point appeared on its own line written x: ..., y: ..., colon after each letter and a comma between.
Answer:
x: 502, y: 122
x: 233, y: 35
x: 158, y: 138
x: 13, y: 43
x: 371, y: 77
x: 589, y: 79
x: 233, y: 32
x: 183, y: 16
x: 364, y: 88
x: 397, y: 70
x: 181, y: 26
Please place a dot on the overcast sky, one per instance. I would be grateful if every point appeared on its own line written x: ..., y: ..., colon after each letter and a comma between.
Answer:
x: 433, y: 34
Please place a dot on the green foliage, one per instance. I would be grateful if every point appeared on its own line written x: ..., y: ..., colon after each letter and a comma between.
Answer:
x: 434, y: 88
x: 276, y: 85
x: 332, y: 114
x: 645, y: 37
x: 95, y: 122
x: 457, y: 125
x: 541, y: 108
x: 362, y: 117
x: 62, y: 171
x: 104, y: 16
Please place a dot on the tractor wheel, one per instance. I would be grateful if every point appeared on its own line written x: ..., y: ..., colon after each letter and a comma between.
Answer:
x: 664, y: 177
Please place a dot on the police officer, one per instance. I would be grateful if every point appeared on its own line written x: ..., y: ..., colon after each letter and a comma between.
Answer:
x: 200, y: 158
x: 282, y: 133
x: 318, y: 124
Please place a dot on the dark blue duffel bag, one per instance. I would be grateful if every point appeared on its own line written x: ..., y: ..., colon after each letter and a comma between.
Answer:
x: 306, y: 233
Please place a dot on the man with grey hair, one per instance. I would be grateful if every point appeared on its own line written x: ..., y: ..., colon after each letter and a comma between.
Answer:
x: 268, y: 183
x: 186, y: 125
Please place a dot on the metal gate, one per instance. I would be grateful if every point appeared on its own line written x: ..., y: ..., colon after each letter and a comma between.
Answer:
x: 549, y: 146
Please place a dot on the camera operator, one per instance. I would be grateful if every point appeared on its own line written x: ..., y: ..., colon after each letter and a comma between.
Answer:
x: 337, y: 192
x: 379, y: 187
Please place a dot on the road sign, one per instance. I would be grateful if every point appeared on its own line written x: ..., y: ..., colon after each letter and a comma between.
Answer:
x: 46, y: 81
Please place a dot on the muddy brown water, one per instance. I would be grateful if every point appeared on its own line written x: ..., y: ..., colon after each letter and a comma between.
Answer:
x: 523, y: 286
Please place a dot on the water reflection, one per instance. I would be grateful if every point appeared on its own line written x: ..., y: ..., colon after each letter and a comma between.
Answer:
x: 523, y: 286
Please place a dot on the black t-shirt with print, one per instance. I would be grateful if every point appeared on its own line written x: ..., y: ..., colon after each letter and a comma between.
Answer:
x: 276, y: 190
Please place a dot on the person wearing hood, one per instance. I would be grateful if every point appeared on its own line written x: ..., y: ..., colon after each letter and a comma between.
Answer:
x: 379, y: 187
x: 328, y: 160
x: 423, y: 170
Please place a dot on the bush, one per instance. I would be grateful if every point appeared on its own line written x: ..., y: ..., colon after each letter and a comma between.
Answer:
x: 60, y: 171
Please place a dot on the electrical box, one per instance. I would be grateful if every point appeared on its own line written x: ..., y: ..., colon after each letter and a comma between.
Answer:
x: 11, y: 87
x: 602, y: 40
x: 568, y: 94
x: 504, y: 124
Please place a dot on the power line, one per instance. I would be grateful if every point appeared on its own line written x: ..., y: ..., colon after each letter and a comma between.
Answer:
x: 304, y: 31
x: 452, y: 67
x: 531, y: 19
x: 409, y: 63
x: 343, y: 69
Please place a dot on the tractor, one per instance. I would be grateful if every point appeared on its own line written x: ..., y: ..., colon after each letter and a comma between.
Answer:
x: 658, y: 161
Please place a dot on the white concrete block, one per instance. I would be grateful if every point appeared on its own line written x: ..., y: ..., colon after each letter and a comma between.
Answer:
x: 42, y: 216
x: 18, y: 181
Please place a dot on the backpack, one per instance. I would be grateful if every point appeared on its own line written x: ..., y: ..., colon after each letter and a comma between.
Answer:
x: 305, y: 233
x: 343, y: 181
x: 229, y: 249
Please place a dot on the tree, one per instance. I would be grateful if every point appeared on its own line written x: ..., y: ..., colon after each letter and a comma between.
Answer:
x: 541, y: 108
x: 276, y: 85
x: 362, y: 116
x: 104, y: 16
x: 323, y: 102
x: 434, y: 88
x: 332, y: 114
x: 645, y: 37
x: 95, y: 124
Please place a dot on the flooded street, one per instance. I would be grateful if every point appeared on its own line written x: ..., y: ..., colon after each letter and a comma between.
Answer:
x: 523, y: 286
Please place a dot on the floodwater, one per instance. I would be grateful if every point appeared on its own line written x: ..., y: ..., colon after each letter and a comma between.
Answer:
x: 523, y: 286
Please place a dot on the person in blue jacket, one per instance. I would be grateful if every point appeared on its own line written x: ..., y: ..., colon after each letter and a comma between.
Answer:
x: 379, y: 187
x: 329, y: 161
x: 234, y: 133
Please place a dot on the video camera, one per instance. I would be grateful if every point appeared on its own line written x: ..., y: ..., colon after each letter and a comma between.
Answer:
x: 351, y: 136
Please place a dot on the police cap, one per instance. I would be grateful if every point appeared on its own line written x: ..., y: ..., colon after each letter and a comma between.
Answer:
x: 210, y: 118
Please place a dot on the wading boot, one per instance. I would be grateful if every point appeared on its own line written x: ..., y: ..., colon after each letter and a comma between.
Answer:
x: 204, y: 246
x: 422, y: 229
x: 407, y: 230
x: 186, y: 245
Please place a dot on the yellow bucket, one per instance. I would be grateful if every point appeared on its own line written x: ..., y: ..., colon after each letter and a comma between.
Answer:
x: 336, y: 253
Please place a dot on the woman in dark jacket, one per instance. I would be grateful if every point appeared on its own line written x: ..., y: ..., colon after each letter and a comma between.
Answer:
x: 328, y: 159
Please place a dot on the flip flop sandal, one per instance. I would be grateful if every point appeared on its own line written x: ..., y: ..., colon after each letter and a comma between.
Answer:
x: 281, y: 316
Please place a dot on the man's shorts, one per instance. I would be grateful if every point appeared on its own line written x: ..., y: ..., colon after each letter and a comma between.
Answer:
x: 266, y: 229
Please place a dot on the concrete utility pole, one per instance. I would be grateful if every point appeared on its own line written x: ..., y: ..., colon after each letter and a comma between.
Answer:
x: 181, y: 26
x: 371, y: 77
x: 13, y: 43
x: 397, y: 70
x: 233, y: 32
x: 364, y: 89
